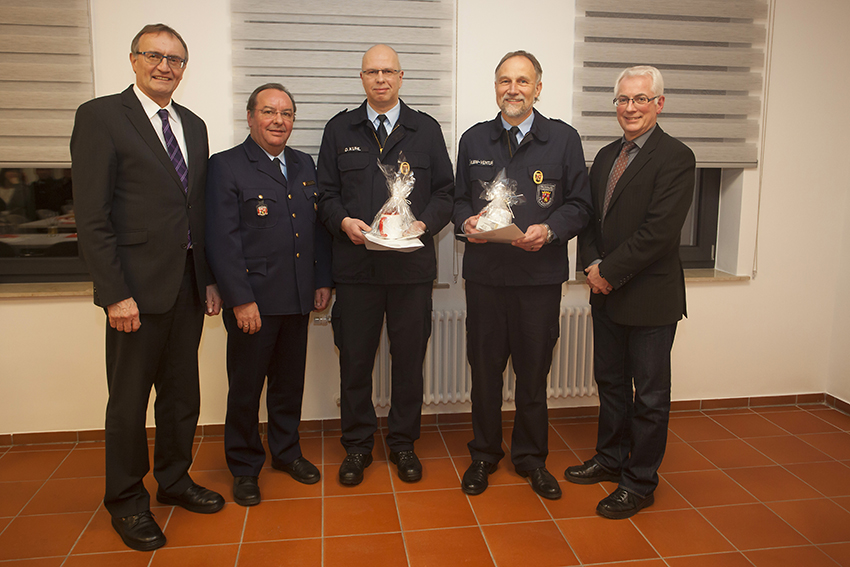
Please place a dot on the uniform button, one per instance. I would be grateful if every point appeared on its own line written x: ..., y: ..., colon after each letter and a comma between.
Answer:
x: 296, y: 235
x: 290, y: 195
x: 190, y: 206
x: 261, y: 196
x: 184, y: 246
x: 293, y: 215
x: 247, y: 270
x: 297, y: 255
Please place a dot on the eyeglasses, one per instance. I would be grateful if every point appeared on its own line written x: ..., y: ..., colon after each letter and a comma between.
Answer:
x: 639, y: 100
x: 270, y: 113
x: 373, y: 73
x: 155, y: 58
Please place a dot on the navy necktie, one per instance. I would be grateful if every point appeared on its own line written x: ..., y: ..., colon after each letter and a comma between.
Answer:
x: 512, y: 142
x: 382, y: 130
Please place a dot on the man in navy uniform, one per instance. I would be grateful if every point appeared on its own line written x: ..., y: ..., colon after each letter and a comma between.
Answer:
x: 642, y: 186
x: 371, y: 284
x: 513, y: 291
x: 271, y: 259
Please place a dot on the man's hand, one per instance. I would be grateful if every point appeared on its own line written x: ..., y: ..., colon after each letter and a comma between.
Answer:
x: 124, y: 316
x: 534, y: 239
x: 354, y: 229
x: 596, y: 282
x: 248, y: 317
x: 321, y: 298
x: 470, y: 227
x: 418, y: 228
x: 213, y: 301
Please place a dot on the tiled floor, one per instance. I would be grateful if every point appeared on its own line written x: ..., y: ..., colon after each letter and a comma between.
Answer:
x: 750, y: 487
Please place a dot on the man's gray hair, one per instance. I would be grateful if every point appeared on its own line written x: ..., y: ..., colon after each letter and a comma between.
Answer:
x: 642, y: 71
x: 157, y: 28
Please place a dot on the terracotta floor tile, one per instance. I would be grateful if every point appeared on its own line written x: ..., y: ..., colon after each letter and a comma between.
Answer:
x: 503, y: 504
x: 833, y: 416
x: 699, y: 429
x: 708, y: 488
x: 306, y: 552
x: 209, y: 456
x: 458, y: 546
x: 456, y: 441
x: 790, y: 557
x: 731, y: 453
x: 81, y: 463
x: 798, y: 422
x: 311, y: 449
x: 67, y: 495
x: 840, y: 552
x: 680, y: 457
x: 430, y: 444
x: 788, y: 449
x: 831, y: 479
x: 24, y: 536
x: 558, y: 461
x: 352, y: 515
x: 543, y: 545
x: 556, y: 443
x: 436, y: 474
x: 378, y: 550
x: 667, y: 498
x: 128, y: 558
x: 713, y: 560
x: 100, y: 536
x: 284, y: 519
x: 578, y: 436
x: 592, y: 540
x: 748, y: 425
x: 277, y: 485
x: 434, y: 509
x: 771, y: 484
x: 843, y: 501
x: 187, y: 528
x: 30, y: 465
x: 836, y: 445
x: 376, y: 480
x: 40, y: 447
x: 208, y: 556
x: 45, y: 562
x: 577, y: 501
x: 821, y: 521
x: 15, y: 495
x: 752, y: 526
x: 680, y: 532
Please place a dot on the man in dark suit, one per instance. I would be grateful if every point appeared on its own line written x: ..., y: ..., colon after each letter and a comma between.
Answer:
x: 642, y: 188
x: 272, y: 261
x: 370, y: 284
x: 139, y: 171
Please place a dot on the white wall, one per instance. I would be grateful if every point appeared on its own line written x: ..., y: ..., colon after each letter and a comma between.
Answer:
x: 784, y: 332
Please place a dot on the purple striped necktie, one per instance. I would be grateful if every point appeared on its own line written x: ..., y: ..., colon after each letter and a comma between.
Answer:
x: 176, y: 157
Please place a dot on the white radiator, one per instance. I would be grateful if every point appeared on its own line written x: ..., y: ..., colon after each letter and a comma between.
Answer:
x: 448, y: 376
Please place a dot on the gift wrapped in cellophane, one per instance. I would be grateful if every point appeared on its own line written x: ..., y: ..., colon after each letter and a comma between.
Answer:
x: 501, y: 194
x: 395, y: 219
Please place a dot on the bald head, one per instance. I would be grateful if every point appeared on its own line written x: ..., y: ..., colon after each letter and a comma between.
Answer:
x: 381, y: 75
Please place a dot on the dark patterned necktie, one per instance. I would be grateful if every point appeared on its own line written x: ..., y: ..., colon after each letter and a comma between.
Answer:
x: 174, y: 153
x: 382, y: 130
x: 616, y: 173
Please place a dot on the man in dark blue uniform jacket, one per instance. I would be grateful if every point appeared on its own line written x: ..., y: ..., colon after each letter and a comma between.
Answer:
x: 642, y: 184
x: 271, y: 259
x: 370, y: 284
x: 513, y: 291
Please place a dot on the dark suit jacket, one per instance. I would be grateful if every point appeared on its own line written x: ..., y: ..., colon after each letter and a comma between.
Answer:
x: 277, y: 259
x: 639, y: 240
x: 132, y: 214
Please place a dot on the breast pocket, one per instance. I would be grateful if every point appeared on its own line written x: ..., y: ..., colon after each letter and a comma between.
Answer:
x: 260, y: 208
x: 311, y: 195
x: 420, y: 165
x: 548, y: 180
x: 478, y: 176
x: 354, y: 171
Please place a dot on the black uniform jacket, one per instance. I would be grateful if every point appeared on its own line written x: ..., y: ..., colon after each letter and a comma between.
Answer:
x: 638, y: 242
x: 549, y: 170
x: 264, y: 242
x: 352, y: 185
x: 133, y: 216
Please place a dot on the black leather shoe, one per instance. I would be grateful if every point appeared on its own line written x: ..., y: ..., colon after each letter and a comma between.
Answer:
x: 409, y: 467
x: 351, y: 469
x: 195, y: 499
x: 301, y: 470
x: 475, y: 478
x: 590, y: 472
x: 622, y: 504
x: 246, y: 490
x: 139, y: 532
x: 543, y: 483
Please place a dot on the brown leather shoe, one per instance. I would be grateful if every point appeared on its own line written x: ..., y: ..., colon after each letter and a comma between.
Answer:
x: 139, y: 532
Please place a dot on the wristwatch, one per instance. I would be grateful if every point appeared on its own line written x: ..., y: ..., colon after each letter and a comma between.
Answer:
x: 550, y: 234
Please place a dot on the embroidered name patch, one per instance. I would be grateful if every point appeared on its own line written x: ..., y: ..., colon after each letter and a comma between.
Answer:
x: 480, y: 162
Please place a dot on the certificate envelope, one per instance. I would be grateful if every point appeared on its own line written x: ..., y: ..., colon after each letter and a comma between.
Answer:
x: 504, y: 235
x: 400, y: 245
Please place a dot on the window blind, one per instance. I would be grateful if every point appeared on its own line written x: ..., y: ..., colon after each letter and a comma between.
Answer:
x: 315, y: 50
x: 711, y: 54
x: 45, y: 74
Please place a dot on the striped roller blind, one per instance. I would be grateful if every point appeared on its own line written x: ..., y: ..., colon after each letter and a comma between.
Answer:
x: 315, y: 49
x: 45, y: 74
x: 711, y: 53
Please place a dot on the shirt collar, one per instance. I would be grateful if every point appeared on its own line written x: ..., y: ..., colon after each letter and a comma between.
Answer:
x: 523, y: 126
x: 392, y: 116
x: 150, y: 107
x: 641, y: 140
x: 280, y: 156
